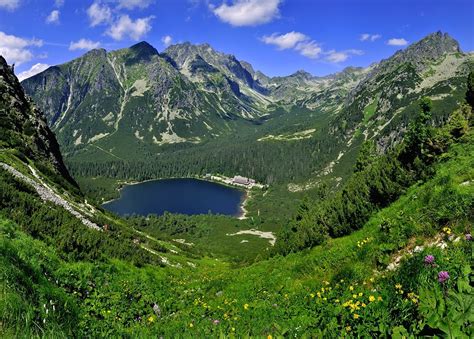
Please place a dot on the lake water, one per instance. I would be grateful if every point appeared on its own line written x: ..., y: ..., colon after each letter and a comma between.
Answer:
x: 185, y: 196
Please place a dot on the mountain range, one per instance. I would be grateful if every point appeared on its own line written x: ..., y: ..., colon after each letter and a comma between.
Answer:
x: 135, y: 102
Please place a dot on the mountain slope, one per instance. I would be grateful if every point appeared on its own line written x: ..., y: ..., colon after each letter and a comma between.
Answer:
x: 24, y: 129
x: 136, y: 104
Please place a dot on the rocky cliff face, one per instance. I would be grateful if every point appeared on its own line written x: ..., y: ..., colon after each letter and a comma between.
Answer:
x: 23, y: 127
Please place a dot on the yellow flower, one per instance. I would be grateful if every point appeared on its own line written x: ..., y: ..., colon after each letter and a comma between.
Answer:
x: 342, y: 280
x: 326, y: 283
x: 348, y: 328
x: 336, y: 301
x: 233, y: 329
x: 356, y: 316
x: 361, y: 294
x: 246, y: 306
x: 269, y: 336
x: 351, y: 288
x: 398, y: 286
x: 364, y: 305
x: 319, y: 295
x: 311, y: 295
x: 151, y: 319
x: 379, y: 298
x: 354, y: 296
x: 191, y: 325
x: 325, y: 298
x: 371, y: 298
x: 371, y: 279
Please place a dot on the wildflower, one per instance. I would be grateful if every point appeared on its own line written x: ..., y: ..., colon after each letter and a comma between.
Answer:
x: 429, y: 259
x: 336, y: 301
x: 379, y: 298
x: 354, y: 296
x: 356, y: 316
x: 413, y: 297
x: 447, y: 230
x: 361, y: 294
x: 269, y: 336
x: 311, y: 295
x: 233, y: 329
x: 371, y: 298
x: 398, y: 286
x: 371, y: 279
x: 326, y: 283
x: 151, y: 319
x: 246, y: 306
x: 468, y: 237
x: 443, y: 276
x: 364, y: 305
x: 319, y: 295
x: 191, y: 325
x: 216, y: 322
x: 348, y: 328
x: 351, y: 288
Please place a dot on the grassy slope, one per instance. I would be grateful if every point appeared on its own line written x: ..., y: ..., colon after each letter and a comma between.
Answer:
x: 276, y: 296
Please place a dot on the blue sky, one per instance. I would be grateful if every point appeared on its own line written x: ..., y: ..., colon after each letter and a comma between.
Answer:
x: 277, y: 37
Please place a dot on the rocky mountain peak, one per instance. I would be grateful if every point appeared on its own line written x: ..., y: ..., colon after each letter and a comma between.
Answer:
x: 422, y: 53
x: 23, y: 127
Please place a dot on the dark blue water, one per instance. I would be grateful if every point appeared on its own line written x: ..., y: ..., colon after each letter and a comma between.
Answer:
x: 185, y: 196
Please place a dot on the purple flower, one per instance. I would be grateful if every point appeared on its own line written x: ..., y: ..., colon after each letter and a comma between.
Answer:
x: 468, y: 237
x: 429, y: 259
x: 216, y: 322
x: 443, y: 276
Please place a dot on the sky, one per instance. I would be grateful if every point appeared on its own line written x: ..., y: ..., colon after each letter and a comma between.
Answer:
x: 278, y: 37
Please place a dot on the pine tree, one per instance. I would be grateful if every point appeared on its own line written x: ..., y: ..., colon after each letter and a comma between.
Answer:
x: 470, y: 89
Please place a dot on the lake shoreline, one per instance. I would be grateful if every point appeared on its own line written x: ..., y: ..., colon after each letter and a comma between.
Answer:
x: 241, y: 215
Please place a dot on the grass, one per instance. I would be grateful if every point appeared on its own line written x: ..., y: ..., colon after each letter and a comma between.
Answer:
x: 341, y: 288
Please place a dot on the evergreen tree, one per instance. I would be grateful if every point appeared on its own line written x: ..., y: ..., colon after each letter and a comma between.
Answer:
x: 470, y: 89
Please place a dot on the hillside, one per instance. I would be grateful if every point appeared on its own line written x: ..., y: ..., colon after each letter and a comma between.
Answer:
x: 65, y: 280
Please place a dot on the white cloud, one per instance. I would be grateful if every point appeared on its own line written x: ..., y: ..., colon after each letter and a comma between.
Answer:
x: 369, y: 37
x: 284, y: 41
x: 294, y: 40
x: 310, y: 49
x: 15, y: 49
x: 99, y: 14
x: 397, y: 42
x: 131, y: 4
x: 307, y: 47
x: 248, y: 12
x: 9, y: 4
x: 125, y: 26
x: 167, y: 40
x: 53, y: 17
x: 35, y: 69
x: 341, y: 56
x: 58, y: 3
x: 83, y: 44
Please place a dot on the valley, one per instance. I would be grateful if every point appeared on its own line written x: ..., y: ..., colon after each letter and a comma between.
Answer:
x: 183, y: 193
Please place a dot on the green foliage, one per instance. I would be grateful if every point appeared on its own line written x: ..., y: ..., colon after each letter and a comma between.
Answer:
x: 376, y: 182
x: 470, y: 89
